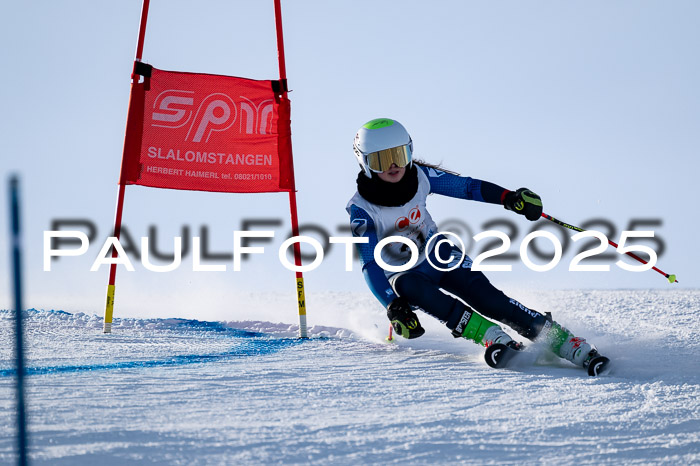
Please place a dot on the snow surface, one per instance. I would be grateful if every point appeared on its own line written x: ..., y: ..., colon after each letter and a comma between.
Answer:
x: 180, y: 391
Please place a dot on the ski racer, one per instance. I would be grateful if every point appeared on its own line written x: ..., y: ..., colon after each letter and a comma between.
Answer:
x: 392, y: 191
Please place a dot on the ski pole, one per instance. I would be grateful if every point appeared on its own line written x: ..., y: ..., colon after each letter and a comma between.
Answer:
x: 671, y: 278
x: 17, y: 251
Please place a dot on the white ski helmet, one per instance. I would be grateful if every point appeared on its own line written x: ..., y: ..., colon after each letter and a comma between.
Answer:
x: 380, y: 143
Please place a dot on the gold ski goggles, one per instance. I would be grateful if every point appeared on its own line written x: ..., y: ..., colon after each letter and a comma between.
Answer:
x: 382, y: 160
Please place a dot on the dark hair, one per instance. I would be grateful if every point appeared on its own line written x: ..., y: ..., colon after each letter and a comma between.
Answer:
x: 431, y: 165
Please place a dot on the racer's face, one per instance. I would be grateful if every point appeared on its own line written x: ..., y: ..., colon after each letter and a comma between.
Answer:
x: 393, y: 174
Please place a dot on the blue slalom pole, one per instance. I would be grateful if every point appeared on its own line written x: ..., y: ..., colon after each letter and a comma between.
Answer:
x: 19, y: 343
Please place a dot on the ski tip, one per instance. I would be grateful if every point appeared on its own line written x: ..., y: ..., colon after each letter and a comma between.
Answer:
x: 672, y: 278
x: 598, y: 365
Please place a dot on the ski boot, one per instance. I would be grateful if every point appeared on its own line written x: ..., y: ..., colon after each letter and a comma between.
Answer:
x: 500, y: 347
x: 566, y: 345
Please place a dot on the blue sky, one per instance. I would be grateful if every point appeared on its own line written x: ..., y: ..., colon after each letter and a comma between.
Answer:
x: 593, y: 105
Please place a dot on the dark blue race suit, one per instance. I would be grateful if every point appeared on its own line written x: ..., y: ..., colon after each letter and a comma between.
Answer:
x: 423, y: 284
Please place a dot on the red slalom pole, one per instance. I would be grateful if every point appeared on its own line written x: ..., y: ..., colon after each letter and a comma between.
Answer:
x: 670, y: 277
x: 109, y: 306
x: 301, y: 298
